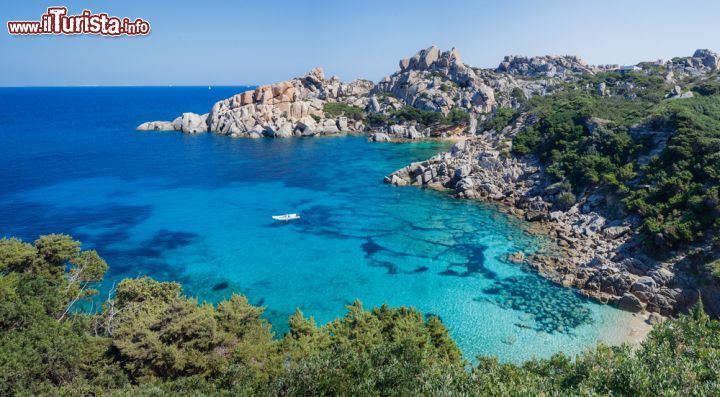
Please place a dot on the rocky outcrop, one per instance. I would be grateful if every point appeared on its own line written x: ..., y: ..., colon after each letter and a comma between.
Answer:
x: 379, y: 137
x: 432, y: 80
x: 290, y: 108
x: 592, y: 253
x: 701, y: 62
x: 677, y: 93
x: 709, y: 60
x: 156, y: 126
x: 544, y: 66
x: 189, y: 123
x: 437, y: 81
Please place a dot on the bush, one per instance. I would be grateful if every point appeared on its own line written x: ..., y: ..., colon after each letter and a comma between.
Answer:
x: 680, y: 197
x: 502, y: 118
x: 336, y: 109
x: 424, y: 117
x: 526, y: 141
x: 457, y: 116
x: 377, y: 119
x: 565, y: 200
x: 714, y: 268
x: 519, y: 96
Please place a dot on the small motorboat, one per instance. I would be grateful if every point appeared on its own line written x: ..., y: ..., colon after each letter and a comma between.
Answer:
x: 286, y: 217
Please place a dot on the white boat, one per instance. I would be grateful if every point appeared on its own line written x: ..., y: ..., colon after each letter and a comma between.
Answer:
x: 286, y: 217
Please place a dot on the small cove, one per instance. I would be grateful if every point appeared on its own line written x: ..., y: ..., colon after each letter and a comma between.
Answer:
x: 196, y: 209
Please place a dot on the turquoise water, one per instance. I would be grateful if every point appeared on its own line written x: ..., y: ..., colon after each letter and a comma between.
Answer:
x: 197, y: 209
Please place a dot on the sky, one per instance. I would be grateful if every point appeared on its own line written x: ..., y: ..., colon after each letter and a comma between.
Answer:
x: 226, y: 42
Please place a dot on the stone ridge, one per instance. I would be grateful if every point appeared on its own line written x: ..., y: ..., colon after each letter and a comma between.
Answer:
x: 431, y: 80
x: 545, y: 66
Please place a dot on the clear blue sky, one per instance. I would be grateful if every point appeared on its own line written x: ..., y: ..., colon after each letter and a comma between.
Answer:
x: 227, y: 42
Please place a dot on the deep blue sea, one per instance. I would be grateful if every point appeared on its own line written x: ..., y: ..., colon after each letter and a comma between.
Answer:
x: 197, y: 209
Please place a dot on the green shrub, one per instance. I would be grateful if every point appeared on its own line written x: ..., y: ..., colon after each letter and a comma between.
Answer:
x: 714, y: 268
x: 457, y: 116
x: 501, y: 119
x: 336, y: 109
x: 519, y: 96
x: 424, y: 117
x: 377, y: 119
x: 526, y: 141
x: 565, y: 200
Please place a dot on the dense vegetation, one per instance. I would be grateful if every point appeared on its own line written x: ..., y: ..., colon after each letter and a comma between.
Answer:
x: 336, y: 109
x: 596, y: 141
x: 151, y: 340
x: 424, y: 118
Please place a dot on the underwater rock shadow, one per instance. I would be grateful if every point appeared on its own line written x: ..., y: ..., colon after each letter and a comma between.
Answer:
x: 147, y: 256
x: 554, y: 309
x: 31, y: 220
x: 474, y: 264
x: 371, y: 248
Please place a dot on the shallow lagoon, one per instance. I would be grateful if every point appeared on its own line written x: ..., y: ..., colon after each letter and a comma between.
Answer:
x: 197, y: 209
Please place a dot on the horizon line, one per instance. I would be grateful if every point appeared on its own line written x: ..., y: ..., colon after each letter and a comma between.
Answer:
x: 126, y: 85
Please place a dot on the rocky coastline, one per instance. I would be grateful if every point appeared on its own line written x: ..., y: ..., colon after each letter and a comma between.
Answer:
x: 591, y: 253
x: 597, y: 249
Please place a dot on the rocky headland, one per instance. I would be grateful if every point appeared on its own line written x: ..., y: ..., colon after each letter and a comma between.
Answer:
x: 434, y: 94
x: 286, y: 109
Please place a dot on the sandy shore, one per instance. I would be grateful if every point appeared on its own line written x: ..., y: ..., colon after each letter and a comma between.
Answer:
x: 636, y: 330
x: 633, y: 330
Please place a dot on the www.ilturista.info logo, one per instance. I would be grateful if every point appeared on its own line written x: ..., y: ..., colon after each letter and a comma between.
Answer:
x: 57, y: 21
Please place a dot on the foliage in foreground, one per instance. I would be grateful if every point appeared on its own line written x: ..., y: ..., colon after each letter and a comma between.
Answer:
x: 151, y: 340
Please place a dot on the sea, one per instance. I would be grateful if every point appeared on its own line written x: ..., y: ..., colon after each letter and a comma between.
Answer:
x: 197, y: 209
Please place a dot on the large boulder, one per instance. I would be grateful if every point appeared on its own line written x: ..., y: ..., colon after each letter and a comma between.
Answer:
x: 379, y: 137
x: 709, y: 59
x: 630, y: 303
x: 614, y: 232
x: 192, y: 123
x: 284, y: 131
x: 424, y: 59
